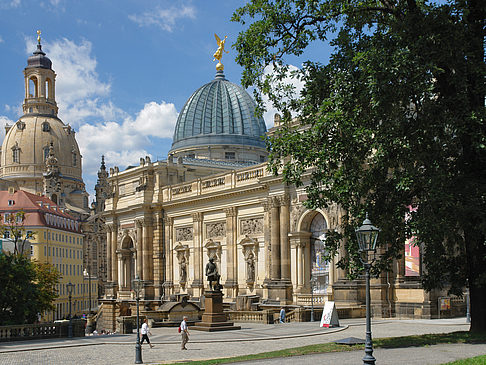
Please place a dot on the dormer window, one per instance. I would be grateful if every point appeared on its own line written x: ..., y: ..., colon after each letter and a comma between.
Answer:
x: 11, y: 202
x: 46, y: 127
x: 75, y: 158
x: 20, y: 125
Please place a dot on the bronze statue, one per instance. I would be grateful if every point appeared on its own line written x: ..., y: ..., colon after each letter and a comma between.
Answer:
x: 212, y: 275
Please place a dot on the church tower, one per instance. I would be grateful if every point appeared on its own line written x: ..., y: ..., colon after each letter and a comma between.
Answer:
x: 40, y: 153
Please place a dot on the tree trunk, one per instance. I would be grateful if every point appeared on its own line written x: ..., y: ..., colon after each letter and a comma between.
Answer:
x: 478, y: 308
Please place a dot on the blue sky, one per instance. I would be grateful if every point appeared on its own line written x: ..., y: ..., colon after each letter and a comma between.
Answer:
x: 124, y: 67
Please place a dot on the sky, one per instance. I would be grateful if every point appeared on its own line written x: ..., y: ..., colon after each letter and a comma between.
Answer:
x: 124, y: 68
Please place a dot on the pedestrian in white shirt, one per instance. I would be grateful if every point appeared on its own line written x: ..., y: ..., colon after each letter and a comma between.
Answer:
x: 145, y: 331
x: 184, y: 333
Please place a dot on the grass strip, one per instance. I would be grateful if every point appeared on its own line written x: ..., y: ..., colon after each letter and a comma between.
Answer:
x: 388, y: 342
x: 478, y: 360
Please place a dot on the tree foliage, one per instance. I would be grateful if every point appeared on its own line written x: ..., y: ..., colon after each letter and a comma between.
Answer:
x: 14, y: 229
x: 27, y: 288
x: 395, y: 119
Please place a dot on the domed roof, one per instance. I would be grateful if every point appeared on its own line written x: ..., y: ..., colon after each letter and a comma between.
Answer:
x: 32, y: 135
x: 39, y: 59
x: 219, y: 113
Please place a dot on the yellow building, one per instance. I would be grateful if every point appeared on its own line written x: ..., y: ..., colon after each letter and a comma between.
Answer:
x: 54, y: 237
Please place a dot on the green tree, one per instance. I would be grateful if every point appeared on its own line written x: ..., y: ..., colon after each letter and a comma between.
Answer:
x: 14, y: 229
x: 26, y: 289
x: 395, y: 119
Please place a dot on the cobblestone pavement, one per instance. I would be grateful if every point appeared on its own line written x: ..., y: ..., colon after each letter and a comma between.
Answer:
x: 252, y: 338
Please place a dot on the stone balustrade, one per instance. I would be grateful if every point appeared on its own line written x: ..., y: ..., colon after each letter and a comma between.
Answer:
x: 23, y: 332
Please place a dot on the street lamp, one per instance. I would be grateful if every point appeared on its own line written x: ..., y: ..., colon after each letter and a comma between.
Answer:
x: 70, y: 287
x: 367, y: 236
x: 137, y: 288
x: 312, y: 283
x: 89, y: 325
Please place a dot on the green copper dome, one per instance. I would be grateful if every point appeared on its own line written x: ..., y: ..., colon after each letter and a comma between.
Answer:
x: 218, y: 113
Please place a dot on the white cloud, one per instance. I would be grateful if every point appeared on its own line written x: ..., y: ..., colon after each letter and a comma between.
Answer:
x: 55, y: 2
x: 164, y: 18
x: 297, y: 84
x: 1, y: 39
x: 156, y: 119
x: 3, y: 121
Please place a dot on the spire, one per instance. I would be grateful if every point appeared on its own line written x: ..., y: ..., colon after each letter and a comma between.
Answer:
x: 102, y: 188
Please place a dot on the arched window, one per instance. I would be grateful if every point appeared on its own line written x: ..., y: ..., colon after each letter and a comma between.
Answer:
x: 48, y: 89
x: 46, y: 152
x: 75, y: 157
x: 320, y: 267
x: 33, y: 87
x: 54, y: 198
x: 16, y: 153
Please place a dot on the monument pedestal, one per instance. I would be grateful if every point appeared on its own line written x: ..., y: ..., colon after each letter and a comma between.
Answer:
x: 213, y: 318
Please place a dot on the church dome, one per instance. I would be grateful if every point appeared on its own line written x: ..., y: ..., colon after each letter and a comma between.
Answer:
x: 219, y: 113
x: 39, y: 59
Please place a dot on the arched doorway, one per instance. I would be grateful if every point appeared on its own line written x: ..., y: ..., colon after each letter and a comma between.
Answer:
x: 127, y: 273
x: 319, y: 266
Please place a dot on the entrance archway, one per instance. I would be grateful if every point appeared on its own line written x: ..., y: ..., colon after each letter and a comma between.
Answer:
x: 319, y: 265
x: 127, y: 273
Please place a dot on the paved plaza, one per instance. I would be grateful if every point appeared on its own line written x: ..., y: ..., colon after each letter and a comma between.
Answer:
x: 252, y: 338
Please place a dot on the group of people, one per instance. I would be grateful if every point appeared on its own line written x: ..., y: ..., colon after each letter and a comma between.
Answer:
x: 145, y: 331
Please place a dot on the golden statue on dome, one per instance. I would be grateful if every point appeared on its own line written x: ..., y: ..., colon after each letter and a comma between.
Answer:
x: 38, y: 36
x: 219, y: 52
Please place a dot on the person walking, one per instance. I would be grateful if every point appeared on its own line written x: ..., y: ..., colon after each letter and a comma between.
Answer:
x: 282, y: 315
x: 145, y: 331
x: 184, y: 333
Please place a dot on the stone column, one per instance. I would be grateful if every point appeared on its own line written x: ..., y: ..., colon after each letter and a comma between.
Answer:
x: 266, y: 236
x: 157, y: 254
x: 284, y: 237
x: 231, y: 252
x: 275, y: 239
x: 109, y: 228
x: 147, y: 250
x: 114, y: 248
x: 169, y: 256
x: 138, y: 224
x: 198, y: 282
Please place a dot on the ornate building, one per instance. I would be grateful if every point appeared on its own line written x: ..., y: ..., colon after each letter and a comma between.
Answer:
x: 214, y: 198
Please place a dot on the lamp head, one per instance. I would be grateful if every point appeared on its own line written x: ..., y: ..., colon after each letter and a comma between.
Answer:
x: 367, y: 236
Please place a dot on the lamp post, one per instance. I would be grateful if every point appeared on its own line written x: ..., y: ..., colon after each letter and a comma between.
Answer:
x: 312, y: 283
x: 137, y: 288
x: 89, y: 324
x: 70, y: 287
x: 367, y: 236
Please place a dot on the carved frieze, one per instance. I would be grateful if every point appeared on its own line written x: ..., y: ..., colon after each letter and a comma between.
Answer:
x: 184, y: 234
x: 231, y: 211
x: 215, y: 230
x: 251, y: 226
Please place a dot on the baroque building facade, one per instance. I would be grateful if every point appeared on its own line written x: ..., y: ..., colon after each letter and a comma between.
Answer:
x: 214, y: 198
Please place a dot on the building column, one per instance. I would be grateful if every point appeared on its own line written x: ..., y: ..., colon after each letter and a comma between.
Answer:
x: 266, y: 236
x: 114, y: 248
x: 231, y: 283
x: 139, y: 248
x: 198, y: 280
x: 284, y: 237
x: 147, y: 251
x: 157, y: 255
x: 275, y: 238
x: 109, y: 228
x: 169, y: 256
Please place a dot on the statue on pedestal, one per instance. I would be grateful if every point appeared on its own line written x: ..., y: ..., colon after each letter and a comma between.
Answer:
x: 213, y: 275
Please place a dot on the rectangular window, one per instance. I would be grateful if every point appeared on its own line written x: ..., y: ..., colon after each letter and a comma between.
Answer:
x: 229, y: 155
x: 29, y: 234
x: 11, y: 202
x: 6, y: 234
